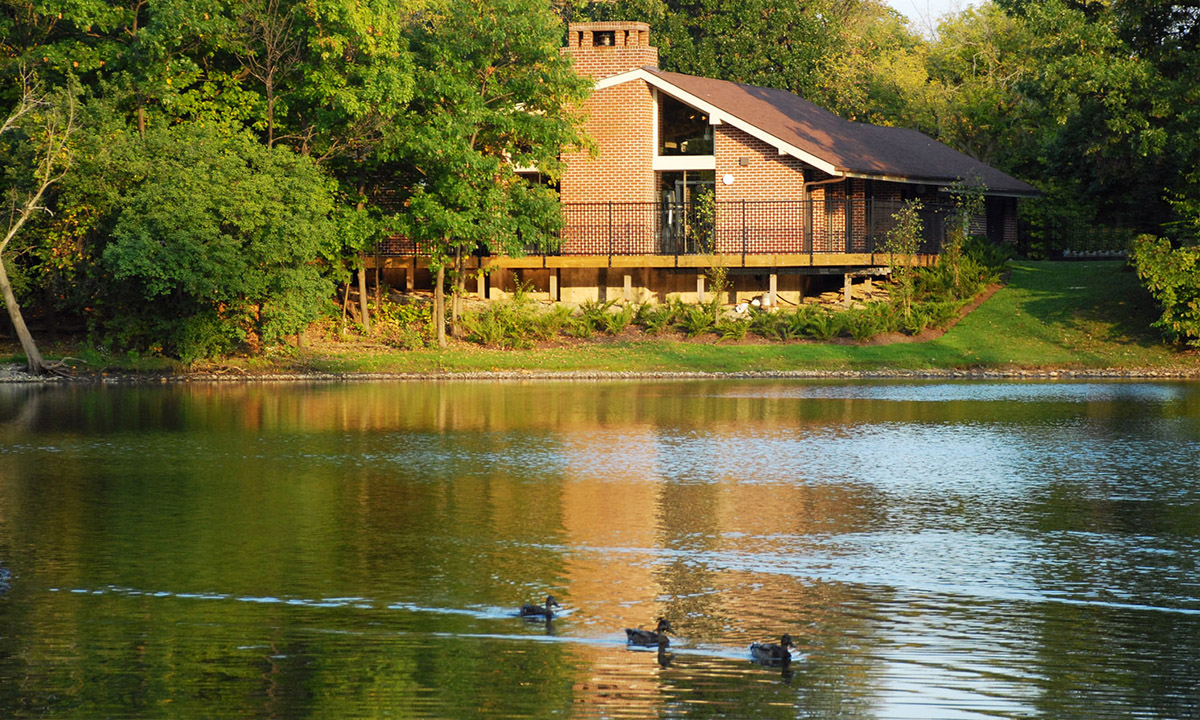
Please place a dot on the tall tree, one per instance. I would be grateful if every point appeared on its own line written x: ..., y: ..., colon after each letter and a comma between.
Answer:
x: 494, y: 95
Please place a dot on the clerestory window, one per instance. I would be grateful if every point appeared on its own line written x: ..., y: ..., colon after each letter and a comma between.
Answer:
x: 682, y: 130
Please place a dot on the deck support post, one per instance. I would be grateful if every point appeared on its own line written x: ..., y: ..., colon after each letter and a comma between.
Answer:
x: 868, y: 286
x: 773, y: 289
x: 554, y: 285
x: 410, y: 272
x: 628, y: 287
x: 846, y: 292
x: 700, y: 288
x: 481, y: 285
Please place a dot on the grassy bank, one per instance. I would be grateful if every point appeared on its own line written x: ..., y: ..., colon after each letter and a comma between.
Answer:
x: 1060, y: 315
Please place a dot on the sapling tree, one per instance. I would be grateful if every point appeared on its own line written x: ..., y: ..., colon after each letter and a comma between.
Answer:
x: 903, y: 240
x: 970, y: 202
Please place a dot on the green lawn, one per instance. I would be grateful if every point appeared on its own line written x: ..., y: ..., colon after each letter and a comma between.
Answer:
x: 1051, y: 315
x: 1062, y: 315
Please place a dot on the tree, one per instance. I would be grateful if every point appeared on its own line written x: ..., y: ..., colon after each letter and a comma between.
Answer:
x: 45, y: 124
x: 903, y: 241
x: 774, y: 43
x: 1172, y: 275
x: 877, y: 71
x: 494, y: 95
x: 216, y: 244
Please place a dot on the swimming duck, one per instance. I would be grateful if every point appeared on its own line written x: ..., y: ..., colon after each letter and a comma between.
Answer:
x: 537, y: 611
x: 772, y: 654
x: 647, y: 637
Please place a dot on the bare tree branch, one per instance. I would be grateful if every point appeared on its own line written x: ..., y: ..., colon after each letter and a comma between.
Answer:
x: 53, y: 130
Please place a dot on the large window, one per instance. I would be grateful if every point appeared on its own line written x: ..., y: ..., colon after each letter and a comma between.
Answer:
x: 682, y: 130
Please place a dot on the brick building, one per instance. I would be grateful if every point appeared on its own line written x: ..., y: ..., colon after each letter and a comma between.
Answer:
x: 778, y: 174
x: 691, y: 173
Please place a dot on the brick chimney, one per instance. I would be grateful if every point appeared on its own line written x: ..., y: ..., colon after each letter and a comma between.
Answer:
x: 601, y: 49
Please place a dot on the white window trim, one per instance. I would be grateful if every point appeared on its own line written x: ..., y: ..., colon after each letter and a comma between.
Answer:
x: 685, y: 162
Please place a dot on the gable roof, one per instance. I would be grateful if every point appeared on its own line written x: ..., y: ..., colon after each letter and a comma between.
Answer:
x: 830, y: 143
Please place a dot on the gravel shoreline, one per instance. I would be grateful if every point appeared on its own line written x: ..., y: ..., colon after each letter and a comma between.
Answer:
x: 16, y: 374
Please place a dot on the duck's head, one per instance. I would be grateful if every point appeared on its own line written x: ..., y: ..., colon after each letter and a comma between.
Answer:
x: 664, y: 626
x: 786, y: 641
x: 551, y: 601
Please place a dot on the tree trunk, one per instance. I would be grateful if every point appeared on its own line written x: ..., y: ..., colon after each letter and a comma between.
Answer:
x: 33, y: 358
x: 456, y: 299
x: 362, y: 294
x: 378, y: 284
x: 439, y: 307
x: 345, y: 306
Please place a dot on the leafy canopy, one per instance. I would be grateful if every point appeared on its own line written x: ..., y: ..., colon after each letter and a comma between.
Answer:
x: 218, y: 243
x: 494, y: 95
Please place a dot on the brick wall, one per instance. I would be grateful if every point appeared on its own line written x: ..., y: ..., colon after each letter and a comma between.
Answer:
x: 620, y: 120
x: 760, y: 176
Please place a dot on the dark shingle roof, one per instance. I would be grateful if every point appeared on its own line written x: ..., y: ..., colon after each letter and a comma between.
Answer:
x: 855, y: 148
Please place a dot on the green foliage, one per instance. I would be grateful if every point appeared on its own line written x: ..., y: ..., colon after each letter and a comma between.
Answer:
x: 404, y: 325
x: 824, y: 325
x: 215, y: 243
x: 1172, y: 275
x: 549, y: 324
x: 696, y: 319
x: 991, y: 256
x: 616, y: 322
x: 732, y: 328
x: 655, y: 319
x: 516, y: 322
x: 902, y: 242
x: 593, y: 317
x: 862, y: 323
x: 768, y: 324
x: 494, y: 93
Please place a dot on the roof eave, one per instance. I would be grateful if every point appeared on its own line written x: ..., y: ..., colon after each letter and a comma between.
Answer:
x: 945, y: 183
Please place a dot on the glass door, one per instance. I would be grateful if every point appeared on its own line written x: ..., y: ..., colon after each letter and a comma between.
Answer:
x: 686, y: 211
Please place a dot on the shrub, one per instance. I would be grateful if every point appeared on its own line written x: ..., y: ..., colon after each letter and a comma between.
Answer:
x: 992, y: 256
x: 404, y: 325
x: 214, y: 244
x: 655, y: 319
x: 862, y: 323
x: 903, y: 240
x: 733, y: 328
x: 550, y: 323
x: 825, y: 325
x: 695, y: 320
x: 593, y: 316
x: 510, y: 323
x: 765, y: 324
x: 615, y: 322
x: 917, y: 321
x: 1172, y: 275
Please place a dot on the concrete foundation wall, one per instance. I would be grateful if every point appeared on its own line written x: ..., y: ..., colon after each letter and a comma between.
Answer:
x: 575, y: 286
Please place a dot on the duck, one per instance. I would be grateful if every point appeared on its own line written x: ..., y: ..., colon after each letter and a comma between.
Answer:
x: 537, y: 611
x: 658, y: 636
x: 772, y: 654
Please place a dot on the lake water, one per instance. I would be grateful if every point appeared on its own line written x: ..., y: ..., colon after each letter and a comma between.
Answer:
x: 936, y: 549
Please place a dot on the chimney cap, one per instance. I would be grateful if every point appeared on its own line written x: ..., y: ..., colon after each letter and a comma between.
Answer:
x: 610, y: 25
